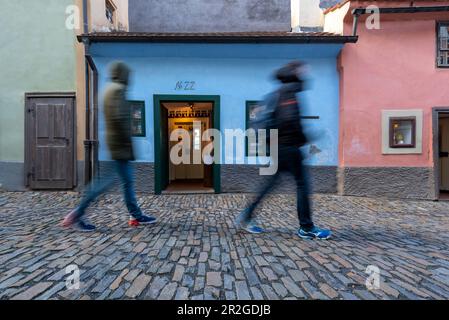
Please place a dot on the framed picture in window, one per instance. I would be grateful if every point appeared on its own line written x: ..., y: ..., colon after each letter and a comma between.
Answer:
x: 138, y: 118
x: 403, y: 132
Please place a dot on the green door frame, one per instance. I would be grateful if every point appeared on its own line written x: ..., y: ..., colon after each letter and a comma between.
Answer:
x: 158, y: 99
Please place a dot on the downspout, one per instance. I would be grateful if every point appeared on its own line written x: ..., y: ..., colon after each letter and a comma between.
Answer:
x: 354, y: 26
x: 94, y: 117
x: 87, y: 144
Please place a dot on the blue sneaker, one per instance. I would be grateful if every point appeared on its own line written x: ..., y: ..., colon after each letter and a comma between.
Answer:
x: 252, y: 228
x: 83, y: 226
x: 143, y: 219
x: 72, y: 221
x: 316, y: 232
x: 243, y: 222
x: 242, y: 219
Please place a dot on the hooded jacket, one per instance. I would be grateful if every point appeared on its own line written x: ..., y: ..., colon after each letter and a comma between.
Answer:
x: 286, y: 116
x: 117, y: 114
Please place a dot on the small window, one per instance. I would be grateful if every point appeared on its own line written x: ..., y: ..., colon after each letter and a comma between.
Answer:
x: 110, y: 11
x: 253, y: 109
x: 403, y: 132
x: 138, y: 118
x: 443, y: 44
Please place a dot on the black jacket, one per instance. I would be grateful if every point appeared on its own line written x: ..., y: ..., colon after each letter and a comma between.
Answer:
x: 287, y: 114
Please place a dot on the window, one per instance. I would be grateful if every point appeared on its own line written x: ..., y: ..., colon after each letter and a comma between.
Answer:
x: 403, y: 132
x: 443, y: 44
x: 110, y: 11
x: 253, y: 109
x: 138, y: 118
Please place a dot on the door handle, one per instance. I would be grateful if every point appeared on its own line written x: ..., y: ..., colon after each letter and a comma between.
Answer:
x: 444, y: 154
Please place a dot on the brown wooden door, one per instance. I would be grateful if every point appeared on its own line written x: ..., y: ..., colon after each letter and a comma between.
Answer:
x: 49, y: 141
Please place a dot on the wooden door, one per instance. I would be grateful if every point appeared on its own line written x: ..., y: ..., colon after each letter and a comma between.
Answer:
x: 49, y: 141
x: 444, y: 154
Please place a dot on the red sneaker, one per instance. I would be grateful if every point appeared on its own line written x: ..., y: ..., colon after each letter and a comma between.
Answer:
x: 70, y: 219
x: 135, y: 222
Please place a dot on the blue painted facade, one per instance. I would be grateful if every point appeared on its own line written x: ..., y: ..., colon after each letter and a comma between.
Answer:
x: 235, y: 72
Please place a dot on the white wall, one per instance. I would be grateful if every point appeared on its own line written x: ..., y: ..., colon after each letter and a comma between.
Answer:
x: 295, y: 14
x: 333, y: 21
x: 98, y: 20
x: 306, y: 13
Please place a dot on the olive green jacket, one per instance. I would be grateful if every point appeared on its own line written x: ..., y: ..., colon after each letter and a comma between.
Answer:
x: 117, y: 114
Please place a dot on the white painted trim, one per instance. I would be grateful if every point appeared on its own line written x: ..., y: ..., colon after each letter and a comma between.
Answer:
x: 386, y: 115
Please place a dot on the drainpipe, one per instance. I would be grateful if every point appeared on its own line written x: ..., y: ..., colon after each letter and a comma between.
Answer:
x: 94, y: 117
x: 88, y: 174
x: 354, y: 26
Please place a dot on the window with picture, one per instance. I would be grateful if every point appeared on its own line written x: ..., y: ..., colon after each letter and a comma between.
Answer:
x: 403, y: 132
x: 443, y: 44
x: 138, y: 118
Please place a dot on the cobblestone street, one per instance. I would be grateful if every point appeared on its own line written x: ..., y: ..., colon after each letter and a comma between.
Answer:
x: 195, y: 251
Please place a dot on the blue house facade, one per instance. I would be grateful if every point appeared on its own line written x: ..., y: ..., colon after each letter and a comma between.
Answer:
x: 216, y: 79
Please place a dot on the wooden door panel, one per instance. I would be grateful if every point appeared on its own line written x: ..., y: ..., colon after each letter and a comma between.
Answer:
x: 42, y: 160
x: 60, y: 122
x: 58, y: 170
x: 42, y: 119
x: 50, y: 142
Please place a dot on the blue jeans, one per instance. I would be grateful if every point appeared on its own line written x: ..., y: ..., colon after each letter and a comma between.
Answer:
x: 101, y: 185
x: 290, y: 160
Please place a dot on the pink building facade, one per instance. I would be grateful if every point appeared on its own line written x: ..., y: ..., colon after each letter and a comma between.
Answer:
x: 394, y: 101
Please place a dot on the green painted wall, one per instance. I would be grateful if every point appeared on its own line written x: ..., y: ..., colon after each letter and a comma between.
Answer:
x: 37, y: 54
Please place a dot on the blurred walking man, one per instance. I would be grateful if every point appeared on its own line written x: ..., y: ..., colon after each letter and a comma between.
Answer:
x: 117, y: 115
x: 283, y: 113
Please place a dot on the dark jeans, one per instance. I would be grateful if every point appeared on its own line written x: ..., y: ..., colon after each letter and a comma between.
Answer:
x: 102, y: 184
x: 290, y: 160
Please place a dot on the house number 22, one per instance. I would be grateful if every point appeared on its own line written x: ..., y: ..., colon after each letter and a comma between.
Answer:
x: 185, y: 86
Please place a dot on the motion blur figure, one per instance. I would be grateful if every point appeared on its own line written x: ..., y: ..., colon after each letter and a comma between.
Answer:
x: 117, y: 114
x: 282, y: 112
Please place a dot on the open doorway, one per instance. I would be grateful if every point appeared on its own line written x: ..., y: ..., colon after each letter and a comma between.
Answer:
x: 184, y: 115
x: 195, y: 115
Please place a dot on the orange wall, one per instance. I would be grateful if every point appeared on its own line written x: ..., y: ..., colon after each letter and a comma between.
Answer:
x: 390, y: 68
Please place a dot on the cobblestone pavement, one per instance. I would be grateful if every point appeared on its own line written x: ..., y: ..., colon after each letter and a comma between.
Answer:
x: 195, y: 252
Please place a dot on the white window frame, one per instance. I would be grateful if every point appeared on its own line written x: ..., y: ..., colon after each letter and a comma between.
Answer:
x: 387, y: 115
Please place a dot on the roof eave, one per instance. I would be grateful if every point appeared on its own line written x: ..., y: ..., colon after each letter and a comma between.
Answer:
x: 218, y: 39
